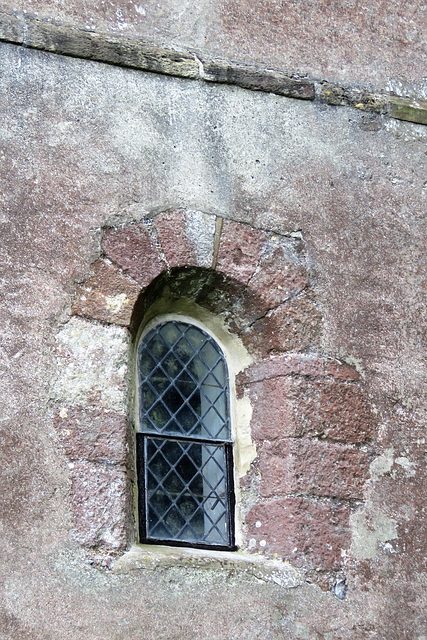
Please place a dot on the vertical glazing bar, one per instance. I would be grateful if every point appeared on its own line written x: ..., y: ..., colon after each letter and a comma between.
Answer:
x: 140, y: 470
x: 146, y: 488
x: 231, y: 498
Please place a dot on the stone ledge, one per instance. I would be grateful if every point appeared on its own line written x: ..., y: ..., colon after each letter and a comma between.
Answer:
x: 409, y: 110
x: 45, y: 35
x: 141, y: 557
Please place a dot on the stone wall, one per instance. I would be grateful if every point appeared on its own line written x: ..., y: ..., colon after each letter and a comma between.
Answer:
x: 300, y: 225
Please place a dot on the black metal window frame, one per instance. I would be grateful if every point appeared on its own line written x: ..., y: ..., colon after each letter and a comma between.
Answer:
x: 186, y: 456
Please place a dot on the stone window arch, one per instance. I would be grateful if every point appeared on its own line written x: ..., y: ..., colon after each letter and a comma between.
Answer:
x: 304, y: 428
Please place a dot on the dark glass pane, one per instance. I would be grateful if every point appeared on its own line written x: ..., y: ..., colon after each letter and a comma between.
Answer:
x: 170, y: 332
x: 157, y: 348
x: 195, y: 336
x: 159, y: 416
x: 186, y: 492
x: 147, y: 365
x: 158, y: 381
x: 184, y: 351
x: 171, y: 366
x: 187, y: 419
x: 189, y: 379
x: 185, y: 384
x: 172, y: 399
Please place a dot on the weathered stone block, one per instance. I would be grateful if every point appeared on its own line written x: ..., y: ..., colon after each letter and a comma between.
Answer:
x: 306, y: 531
x: 275, y: 465
x: 186, y: 237
x: 240, y: 306
x: 330, y: 409
x: 279, y: 275
x: 134, y: 250
x: 301, y: 364
x: 91, y: 365
x: 295, y: 325
x: 94, y: 435
x: 101, y: 499
x: 310, y: 467
x: 272, y: 411
x: 107, y: 295
x: 240, y: 250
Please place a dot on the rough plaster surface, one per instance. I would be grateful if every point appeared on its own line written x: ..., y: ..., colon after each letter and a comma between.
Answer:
x: 117, y: 145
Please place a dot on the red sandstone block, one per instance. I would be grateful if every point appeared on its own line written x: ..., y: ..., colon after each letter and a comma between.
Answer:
x: 107, y: 295
x: 186, y: 237
x: 278, y: 277
x: 170, y: 227
x: 134, y: 251
x: 272, y: 410
x: 101, y: 499
x: 328, y: 469
x: 306, y: 531
x: 341, y: 370
x: 310, y: 467
x: 94, y: 435
x: 301, y: 364
x: 293, y: 326
x: 240, y: 250
x: 331, y: 409
x: 275, y: 465
x: 239, y: 305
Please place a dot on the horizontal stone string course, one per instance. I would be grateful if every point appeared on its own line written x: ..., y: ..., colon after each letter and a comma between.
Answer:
x: 32, y: 32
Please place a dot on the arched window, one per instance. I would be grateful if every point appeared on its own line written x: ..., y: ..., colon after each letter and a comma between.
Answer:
x: 184, y: 447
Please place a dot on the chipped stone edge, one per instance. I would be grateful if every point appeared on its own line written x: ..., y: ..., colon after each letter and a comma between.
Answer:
x: 140, y: 557
x: 46, y: 35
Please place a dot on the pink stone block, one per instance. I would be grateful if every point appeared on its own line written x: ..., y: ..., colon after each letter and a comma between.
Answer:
x: 306, y: 531
x: 240, y: 250
x: 107, y: 295
x: 101, y: 500
x: 94, y: 435
x: 133, y: 249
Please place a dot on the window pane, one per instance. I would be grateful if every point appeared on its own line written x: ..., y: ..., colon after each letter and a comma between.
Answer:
x: 183, y: 383
x: 186, y: 492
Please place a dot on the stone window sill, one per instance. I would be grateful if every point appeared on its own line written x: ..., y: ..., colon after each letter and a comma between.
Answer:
x: 141, y: 557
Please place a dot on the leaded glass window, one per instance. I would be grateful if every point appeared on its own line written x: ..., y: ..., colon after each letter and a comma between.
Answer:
x: 184, y: 448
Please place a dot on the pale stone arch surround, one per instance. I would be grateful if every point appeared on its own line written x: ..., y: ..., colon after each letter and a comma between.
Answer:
x: 311, y: 425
